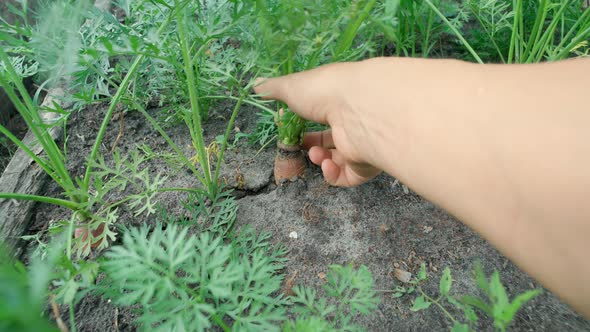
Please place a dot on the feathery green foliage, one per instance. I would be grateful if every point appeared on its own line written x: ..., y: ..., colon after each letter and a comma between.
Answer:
x: 23, y: 292
x: 86, y: 195
x: 303, y: 34
x: 189, y: 282
x: 348, y: 293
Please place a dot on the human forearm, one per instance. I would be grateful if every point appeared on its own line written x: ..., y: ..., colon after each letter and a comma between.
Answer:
x: 504, y: 148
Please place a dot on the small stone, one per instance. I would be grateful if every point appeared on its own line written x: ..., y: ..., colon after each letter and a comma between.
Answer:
x: 322, y: 275
x: 405, y: 189
x: 293, y: 235
x: 403, y: 276
x: 427, y: 229
x: 383, y: 228
x: 396, y: 265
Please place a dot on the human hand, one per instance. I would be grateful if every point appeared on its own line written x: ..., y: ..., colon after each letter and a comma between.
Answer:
x: 329, y: 95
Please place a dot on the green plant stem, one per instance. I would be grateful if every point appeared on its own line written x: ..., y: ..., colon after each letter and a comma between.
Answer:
x: 351, y: 30
x: 159, y: 190
x: 448, y: 314
x: 537, y: 27
x: 16, y: 81
x: 582, y: 35
x: 540, y: 47
x: 50, y: 200
x: 194, y: 100
x: 490, y: 37
x: 118, y: 95
x: 225, y: 139
x: 455, y: 31
x: 122, y: 89
x: 221, y: 323
x: 517, y: 10
x: 246, y: 101
x: 426, y: 42
x: 175, y: 147
x: 180, y: 189
x: 26, y: 149
x: 29, y: 113
x: 70, y: 236
x: 265, y: 145
x: 72, y: 317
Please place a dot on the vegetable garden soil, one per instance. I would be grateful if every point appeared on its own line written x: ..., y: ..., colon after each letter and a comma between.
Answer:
x: 377, y: 224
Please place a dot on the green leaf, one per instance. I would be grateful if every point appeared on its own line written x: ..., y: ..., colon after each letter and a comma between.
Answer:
x: 312, y: 323
x: 480, y: 278
x: 445, y: 282
x: 478, y: 303
x: 454, y: 302
x: 420, y: 304
x: 518, y: 302
x: 351, y: 286
x: 460, y: 327
x: 183, y: 281
x: 498, y: 295
x: 422, y: 273
x: 470, y: 314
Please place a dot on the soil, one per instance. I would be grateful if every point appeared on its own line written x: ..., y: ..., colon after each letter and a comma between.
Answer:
x: 17, y: 126
x: 11, y: 120
x: 377, y: 224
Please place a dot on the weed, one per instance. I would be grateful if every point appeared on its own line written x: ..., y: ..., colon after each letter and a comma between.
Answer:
x: 495, y: 305
x: 348, y: 291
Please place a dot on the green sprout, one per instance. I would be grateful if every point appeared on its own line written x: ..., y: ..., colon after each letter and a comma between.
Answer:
x: 496, y: 304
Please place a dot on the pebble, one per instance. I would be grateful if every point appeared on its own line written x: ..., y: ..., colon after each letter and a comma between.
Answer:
x: 403, y: 276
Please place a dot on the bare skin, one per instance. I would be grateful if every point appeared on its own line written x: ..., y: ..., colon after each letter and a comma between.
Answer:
x: 504, y: 148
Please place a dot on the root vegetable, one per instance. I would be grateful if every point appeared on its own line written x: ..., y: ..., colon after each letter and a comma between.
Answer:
x: 289, y: 165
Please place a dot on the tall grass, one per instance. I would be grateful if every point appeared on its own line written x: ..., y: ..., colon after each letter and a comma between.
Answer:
x: 538, y: 30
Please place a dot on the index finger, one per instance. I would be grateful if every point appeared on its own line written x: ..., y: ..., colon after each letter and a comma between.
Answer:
x: 308, y: 93
x: 288, y: 90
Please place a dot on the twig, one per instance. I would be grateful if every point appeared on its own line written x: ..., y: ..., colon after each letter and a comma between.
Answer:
x: 60, y: 324
x: 116, y: 319
x: 289, y: 284
x: 121, y: 128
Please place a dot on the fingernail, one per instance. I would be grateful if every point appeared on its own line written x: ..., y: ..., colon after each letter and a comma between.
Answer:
x: 259, y: 81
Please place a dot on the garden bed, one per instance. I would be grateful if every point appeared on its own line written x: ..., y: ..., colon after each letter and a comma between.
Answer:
x: 151, y: 88
x: 377, y: 224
